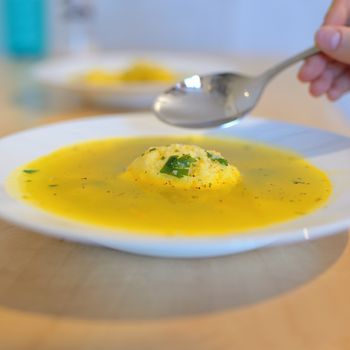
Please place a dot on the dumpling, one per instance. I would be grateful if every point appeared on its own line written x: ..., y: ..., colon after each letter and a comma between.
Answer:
x: 183, y: 166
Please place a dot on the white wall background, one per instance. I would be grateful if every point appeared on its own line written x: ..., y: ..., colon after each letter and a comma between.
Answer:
x: 249, y: 26
x: 243, y: 26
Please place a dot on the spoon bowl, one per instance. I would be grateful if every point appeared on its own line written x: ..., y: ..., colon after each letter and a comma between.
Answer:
x: 208, y: 101
x: 216, y: 99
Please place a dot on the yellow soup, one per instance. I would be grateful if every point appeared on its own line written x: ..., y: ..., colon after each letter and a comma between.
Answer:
x: 83, y: 182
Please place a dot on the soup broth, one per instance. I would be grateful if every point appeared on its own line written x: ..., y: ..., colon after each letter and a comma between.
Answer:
x: 83, y: 182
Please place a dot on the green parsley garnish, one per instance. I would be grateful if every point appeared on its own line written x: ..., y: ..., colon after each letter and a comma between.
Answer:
x: 30, y: 171
x: 178, y: 166
x: 218, y: 159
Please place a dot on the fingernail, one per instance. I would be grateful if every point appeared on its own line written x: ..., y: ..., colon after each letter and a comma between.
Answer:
x: 334, y: 94
x: 328, y: 38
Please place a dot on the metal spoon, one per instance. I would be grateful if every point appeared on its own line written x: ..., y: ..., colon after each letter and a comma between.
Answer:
x: 212, y: 100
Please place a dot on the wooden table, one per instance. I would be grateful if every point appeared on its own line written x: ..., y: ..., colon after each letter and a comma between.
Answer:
x: 61, y: 295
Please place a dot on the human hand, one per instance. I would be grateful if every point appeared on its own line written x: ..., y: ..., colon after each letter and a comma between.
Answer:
x: 329, y: 72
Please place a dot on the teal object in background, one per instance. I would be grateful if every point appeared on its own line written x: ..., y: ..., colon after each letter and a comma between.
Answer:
x: 24, y: 27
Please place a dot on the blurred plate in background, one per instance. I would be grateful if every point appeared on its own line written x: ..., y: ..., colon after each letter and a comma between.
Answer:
x: 69, y: 74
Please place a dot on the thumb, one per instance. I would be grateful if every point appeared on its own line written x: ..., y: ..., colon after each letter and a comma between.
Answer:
x: 334, y: 42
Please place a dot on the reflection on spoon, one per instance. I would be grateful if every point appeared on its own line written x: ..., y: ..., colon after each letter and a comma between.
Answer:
x: 216, y: 99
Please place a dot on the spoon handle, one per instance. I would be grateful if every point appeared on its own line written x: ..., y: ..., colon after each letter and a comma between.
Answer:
x: 270, y: 73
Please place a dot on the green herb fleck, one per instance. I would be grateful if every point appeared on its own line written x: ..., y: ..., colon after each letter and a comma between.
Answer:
x: 178, y: 166
x: 218, y: 159
x: 152, y: 149
x: 53, y: 185
x: 30, y: 171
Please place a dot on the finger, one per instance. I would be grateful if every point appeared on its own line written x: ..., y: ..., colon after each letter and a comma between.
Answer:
x: 339, y: 87
x: 334, y: 94
x: 338, y: 14
x: 335, y: 42
x: 313, y: 68
x: 323, y: 83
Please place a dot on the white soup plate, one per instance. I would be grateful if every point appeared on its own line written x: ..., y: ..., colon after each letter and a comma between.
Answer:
x: 329, y: 152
